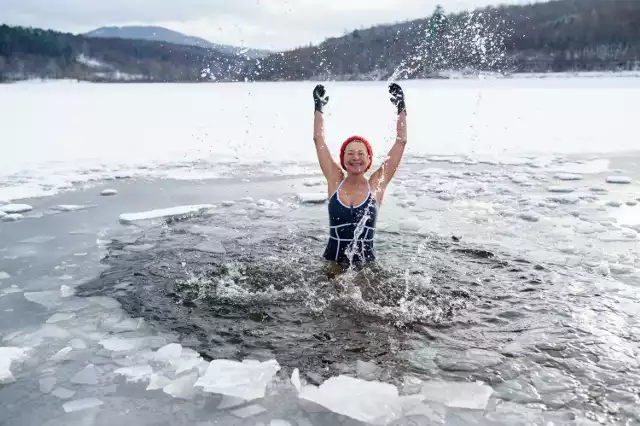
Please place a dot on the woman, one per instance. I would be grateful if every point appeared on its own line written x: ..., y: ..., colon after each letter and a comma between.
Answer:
x: 354, y: 199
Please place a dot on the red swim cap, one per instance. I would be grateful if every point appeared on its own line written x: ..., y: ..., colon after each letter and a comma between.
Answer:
x: 359, y: 139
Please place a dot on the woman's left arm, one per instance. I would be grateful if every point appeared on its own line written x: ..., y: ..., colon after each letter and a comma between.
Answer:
x: 381, y: 177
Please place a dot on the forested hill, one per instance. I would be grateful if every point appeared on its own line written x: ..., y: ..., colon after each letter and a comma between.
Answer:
x: 561, y: 35
x: 34, y: 53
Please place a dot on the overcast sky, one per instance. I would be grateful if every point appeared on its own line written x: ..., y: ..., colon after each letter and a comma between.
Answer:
x: 269, y: 24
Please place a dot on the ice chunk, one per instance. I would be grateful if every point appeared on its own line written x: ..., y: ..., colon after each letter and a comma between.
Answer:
x: 238, y: 379
x: 568, y: 176
x: 279, y: 422
x: 614, y: 203
x: 108, y: 192
x: 12, y: 217
x: 78, y: 344
x: 136, y: 373
x: 158, y: 381
x: 68, y: 207
x: 230, y: 402
x: 2, y: 214
x: 86, y: 376
x: 366, y: 370
x: 15, y: 208
x: 127, y: 218
x: 211, y: 246
x: 518, y: 391
x: 66, y: 291
x: 40, y: 239
x: 4, y: 275
x: 375, y: 403
x: 268, y: 204
x: 47, y: 384
x: 169, y: 353
x: 295, y: 379
x: 61, y: 354
x: 529, y: 216
x: 632, y: 203
x: 312, y: 197
x: 61, y: 316
x: 560, y: 189
x: 251, y: 410
x: 116, y: 344
x: 228, y: 203
x: 63, y: 393
x: 182, y: 387
x: 469, y: 360
x: 81, y: 404
x: 619, y: 179
x: 48, y: 299
x: 472, y: 396
x: 9, y: 356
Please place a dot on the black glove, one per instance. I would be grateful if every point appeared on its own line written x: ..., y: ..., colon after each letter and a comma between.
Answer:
x: 319, y: 98
x: 397, y: 97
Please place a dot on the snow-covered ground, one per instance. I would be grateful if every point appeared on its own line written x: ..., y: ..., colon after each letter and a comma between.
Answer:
x: 543, y: 172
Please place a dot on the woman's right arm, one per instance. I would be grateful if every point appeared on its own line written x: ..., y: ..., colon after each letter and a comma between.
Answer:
x: 331, y: 170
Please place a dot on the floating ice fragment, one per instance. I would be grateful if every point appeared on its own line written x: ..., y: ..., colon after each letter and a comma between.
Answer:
x: 238, y: 379
x: 375, y: 403
x: 230, y: 402
x: 118, y: 344
x: 2, y: 214
x: 568, y: 176
x: 68, y: 207
x: 279, y: 422
x: 158, y: 381
x: 518, y: 391
x: 136, y: 373
x: 47, y: 384
x: 529, y: 216
x: 169, y: 353
x: 81, y: 404
x: 49, y: 299
x: 472, y: 396
x: 560, y: 189
x: 614, y: 203
x: 15, y: 208
x: 469, y: 360
x: 366, y: 370
x: 632, y: 203
x: 108, y: 192
x: 61, y: 316
x: 128, y: 218
x: 228, y: 203
x: 295, y: 380
x: 66, y: 291
x: 619, y: 179
x: 4, y: 275
x: 78, y: 344
x: 211, y: 246
x: 86, y: 376
x: 40, y: 239
x: 9, y: 356
x: 251, y: 410
x: 12, y: 217
x: 63, y: 393
x: 61, y: 354
x: 182, y: 387
x: 312, y: 197
x: 313, y: 182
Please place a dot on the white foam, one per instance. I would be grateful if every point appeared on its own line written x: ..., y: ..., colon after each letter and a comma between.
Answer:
x: 619, y: 179
x: 128, y: 218
x: 136, y: 373
x: 375, y: 403
x: 15, y: 208
x: 108, y: 192
x: 233, y: 378
x: 86, y: 376
x: 8, y: 357
x: 473, y: 396
x: 312, y: 197
x: 81, y: 404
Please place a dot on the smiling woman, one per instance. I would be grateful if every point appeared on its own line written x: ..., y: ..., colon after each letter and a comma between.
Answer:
x: 354, y: 199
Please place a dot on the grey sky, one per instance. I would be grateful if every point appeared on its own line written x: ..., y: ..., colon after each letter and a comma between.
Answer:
x: 270, y: 24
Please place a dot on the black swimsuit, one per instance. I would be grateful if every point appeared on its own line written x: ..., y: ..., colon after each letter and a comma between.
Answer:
x: 349, y: 225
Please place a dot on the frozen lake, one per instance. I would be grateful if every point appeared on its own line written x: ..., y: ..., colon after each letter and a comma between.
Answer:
x: 193, y: 292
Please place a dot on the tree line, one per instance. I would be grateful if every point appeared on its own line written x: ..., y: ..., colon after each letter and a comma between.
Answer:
x: 559, y: 35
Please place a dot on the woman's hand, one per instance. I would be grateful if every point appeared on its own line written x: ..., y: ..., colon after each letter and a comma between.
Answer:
x: 397, y: 97
x: 319, y: 98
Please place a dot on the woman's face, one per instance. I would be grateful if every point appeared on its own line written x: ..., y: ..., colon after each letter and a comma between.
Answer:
x: 356, y: 158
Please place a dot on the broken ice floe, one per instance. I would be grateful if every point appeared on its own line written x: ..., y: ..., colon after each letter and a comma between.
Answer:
x: 68, y: 207
x: 312, y: 197
x: 472, y: 396
x: 136, y: 373
x: 86, y: 376
x: 108, y: 192
x: 560, y: 189
x: 81, y: 404
x: 10, y: 209
x: 8, y: 357
x: 375, y: 403
x: 619, y: 179
x: 4, y: 275
x: 47, y: 384
x: 568, y: 176
x: 242, y: 380
x: 63, y: 393
x: 183, y: 386
x: 14, y: 217
x: 129, y: 218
